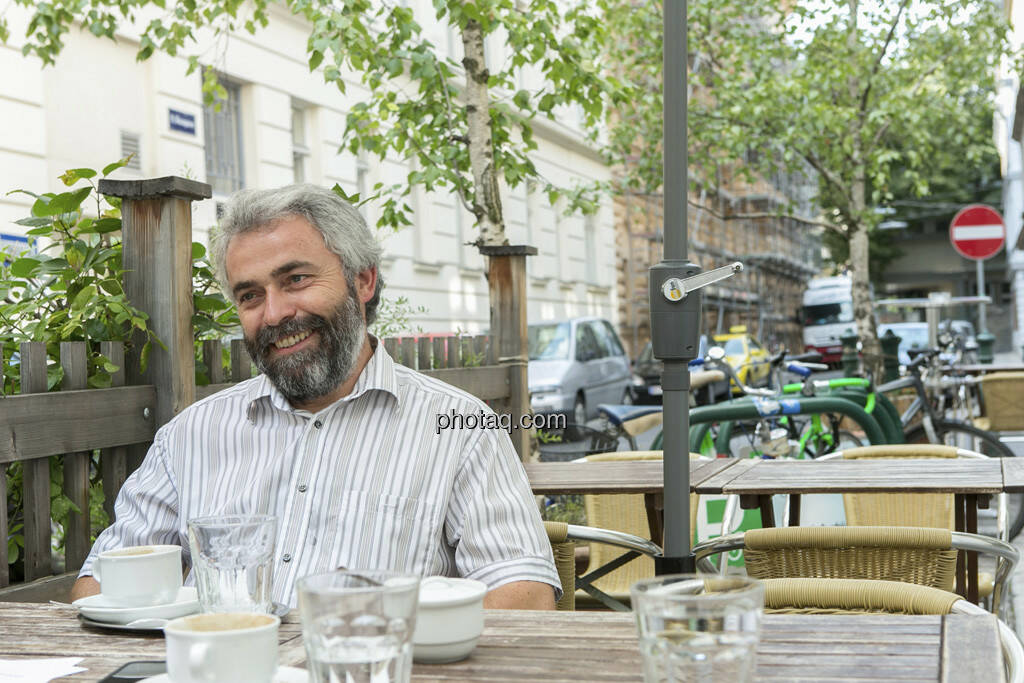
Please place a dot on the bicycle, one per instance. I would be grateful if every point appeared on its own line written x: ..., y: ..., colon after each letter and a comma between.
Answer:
x: 923, y: 422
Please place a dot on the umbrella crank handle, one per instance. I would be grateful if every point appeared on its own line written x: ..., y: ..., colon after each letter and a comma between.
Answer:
x: 676, y: 289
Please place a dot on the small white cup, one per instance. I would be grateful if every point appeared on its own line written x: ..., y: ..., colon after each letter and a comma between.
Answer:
x: 139, y: 576
x: 449, y: 619
x: 232, y: 647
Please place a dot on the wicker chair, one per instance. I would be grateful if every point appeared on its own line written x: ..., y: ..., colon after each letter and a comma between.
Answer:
x: 908, y: 554
x: 1004, y: 411
x: 846, y: 596
x: 563, y: 537
x: 626, y: 513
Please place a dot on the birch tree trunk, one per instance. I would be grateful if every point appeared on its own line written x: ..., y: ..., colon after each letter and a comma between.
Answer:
x: 860, y: 273
x: 486, y: 196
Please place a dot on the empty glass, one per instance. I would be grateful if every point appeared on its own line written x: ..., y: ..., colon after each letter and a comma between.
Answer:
x: 697, y: 628
x: 357, y: 626
x: 232, y: 558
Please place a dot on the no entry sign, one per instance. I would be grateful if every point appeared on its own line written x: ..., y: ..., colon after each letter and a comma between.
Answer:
x: 977, y: 232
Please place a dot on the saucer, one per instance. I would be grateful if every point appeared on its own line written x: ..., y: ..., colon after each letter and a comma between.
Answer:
x: 97, y: 608
x: 285, y: 674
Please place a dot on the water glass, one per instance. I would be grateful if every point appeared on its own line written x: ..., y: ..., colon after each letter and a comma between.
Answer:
x: 232, y: 558
x: 695, y: 627
x: 357, y: 625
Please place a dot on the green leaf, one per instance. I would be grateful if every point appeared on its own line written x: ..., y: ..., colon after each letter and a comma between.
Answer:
x: 72, y: 176
x: 198, y: 251
x: 24, y: 267
x: 314, y: 59
x: 105, y: 225
x: 34, y: 222
x: 120, y: 163
x: 83, y: 298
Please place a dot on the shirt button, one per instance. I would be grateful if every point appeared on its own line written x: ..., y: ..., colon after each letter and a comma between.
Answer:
x: 318, y: 424
x: 286, y: 558
x: 302, y: 488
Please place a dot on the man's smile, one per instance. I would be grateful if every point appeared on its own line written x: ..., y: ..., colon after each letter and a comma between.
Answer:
x: 289, y: 343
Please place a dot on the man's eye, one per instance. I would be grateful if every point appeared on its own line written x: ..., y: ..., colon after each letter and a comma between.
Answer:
x: 248, y: 296
x: 295, y: 279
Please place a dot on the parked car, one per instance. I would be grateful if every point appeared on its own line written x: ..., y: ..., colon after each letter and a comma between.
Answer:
x: 913, y: 337
x: 746, y: 355
x: 646, y: 386
x: 575, y: 365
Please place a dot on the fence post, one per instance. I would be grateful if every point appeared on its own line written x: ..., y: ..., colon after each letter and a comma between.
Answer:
x: 506, y: 283
x: 35, y: 474
x: 156, y: 216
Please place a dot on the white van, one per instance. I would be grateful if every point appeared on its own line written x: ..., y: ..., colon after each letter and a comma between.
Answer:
x: 827, y: 314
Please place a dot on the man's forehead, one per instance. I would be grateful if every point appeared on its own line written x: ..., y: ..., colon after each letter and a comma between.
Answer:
x: 290, y: 240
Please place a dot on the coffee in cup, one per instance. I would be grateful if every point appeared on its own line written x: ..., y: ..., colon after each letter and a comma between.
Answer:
x: 228, y: 647
x: 139, y: 576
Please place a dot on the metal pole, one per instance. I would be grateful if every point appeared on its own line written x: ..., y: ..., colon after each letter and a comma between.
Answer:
x: 676, y: 377
x: 982, y: 326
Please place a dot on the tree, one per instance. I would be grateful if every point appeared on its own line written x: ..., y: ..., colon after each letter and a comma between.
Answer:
x: 867, y: 95
x: 465, y: 126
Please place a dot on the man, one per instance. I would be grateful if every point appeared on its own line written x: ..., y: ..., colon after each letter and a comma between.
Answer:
x: 333, y: 437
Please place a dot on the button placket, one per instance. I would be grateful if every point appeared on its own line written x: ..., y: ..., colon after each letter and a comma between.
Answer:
x: 298, y: 506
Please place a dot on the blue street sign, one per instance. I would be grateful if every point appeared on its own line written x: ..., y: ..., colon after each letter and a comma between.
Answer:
x: 182, y: 122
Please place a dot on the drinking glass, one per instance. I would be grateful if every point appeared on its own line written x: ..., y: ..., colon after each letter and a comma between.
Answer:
x: 696, y: 627
x: 232, y: 557
x: 357, y: 625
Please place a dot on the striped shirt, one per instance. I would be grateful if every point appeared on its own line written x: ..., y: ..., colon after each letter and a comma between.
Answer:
x: 368, y: 482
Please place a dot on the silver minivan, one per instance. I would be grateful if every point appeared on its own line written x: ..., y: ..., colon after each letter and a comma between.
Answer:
x: 575, y: 365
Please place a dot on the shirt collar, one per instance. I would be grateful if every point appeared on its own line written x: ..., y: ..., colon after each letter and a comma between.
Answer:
x: 377, y: 375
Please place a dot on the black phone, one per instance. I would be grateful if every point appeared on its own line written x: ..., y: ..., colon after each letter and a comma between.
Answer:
x: 136, y: 671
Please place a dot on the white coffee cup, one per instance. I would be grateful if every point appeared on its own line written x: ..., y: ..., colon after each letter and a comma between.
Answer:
x: 139, y: 576
x: 229, y: 647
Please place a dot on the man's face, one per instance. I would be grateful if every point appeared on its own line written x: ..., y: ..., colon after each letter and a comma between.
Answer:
x: 303, y: 326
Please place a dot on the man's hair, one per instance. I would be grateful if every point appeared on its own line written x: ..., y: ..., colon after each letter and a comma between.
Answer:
x: 343, y: 228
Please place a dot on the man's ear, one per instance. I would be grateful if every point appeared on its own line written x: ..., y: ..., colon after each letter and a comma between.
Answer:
x: 366, y: 283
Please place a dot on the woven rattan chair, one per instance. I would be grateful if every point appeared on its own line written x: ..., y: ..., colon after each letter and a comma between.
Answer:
x: 1004, y: 410
x: 915, y: 555
x: 626, y: 513
x: 563, y: 537
x: 849, y: 596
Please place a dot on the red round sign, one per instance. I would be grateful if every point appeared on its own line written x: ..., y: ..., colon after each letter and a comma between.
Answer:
x: 977, y: 232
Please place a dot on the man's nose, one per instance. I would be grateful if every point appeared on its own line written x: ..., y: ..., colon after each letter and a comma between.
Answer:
x: 278, y: 307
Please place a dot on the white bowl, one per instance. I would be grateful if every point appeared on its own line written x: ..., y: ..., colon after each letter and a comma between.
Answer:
x: 449, y: 619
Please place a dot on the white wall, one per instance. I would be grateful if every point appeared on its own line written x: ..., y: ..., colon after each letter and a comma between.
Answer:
x: 71, y: 115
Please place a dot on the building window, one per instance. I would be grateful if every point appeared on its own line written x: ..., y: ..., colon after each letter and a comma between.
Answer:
x: 222, y: 129
x: 300, y: 144
x: 130, y: 147
x: 590, y: 240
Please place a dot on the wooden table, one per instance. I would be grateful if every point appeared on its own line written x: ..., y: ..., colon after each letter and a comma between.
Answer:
x: 631, y: 476
x: 589, y: 646
x: 971, y: 482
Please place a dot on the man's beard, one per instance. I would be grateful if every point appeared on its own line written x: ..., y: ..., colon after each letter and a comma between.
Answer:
x: 311, y: 373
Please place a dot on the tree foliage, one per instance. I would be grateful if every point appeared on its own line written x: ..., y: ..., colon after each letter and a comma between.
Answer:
x: 413, y: 108
x: 868, y: 95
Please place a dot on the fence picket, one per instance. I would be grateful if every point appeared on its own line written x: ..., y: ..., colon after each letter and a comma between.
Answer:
x: 408, y: 352
x: 391, y: 346
x: 113, y: 461
x: 467, y: 350
x: 74, y: 359
x: 35, y: 473
x: 423, y: 361
x: 439, y: 360
x: 241, y: 364
x: 5, y: 572
x: 212, y: 360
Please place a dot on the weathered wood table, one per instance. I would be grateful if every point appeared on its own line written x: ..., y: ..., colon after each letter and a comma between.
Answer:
x: 631, y: 476
x: 971, y: 482
x: 589, y: 646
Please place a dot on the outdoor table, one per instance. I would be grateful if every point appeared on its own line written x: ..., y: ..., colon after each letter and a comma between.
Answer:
x: 588, y: 646
x: 971, y: 481
x: 629, y: 476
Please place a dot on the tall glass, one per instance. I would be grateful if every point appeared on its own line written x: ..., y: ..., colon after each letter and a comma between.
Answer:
x: 357, y: 625
x: 698, y: 628
x: 232, y: 558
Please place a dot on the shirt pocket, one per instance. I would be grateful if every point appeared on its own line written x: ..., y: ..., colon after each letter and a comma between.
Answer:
x: 379, y: 531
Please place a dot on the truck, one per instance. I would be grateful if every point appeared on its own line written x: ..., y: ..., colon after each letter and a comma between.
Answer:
x: 827, y: 313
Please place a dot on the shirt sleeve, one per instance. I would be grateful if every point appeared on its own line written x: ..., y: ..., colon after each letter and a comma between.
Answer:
x: 493, y: 518
x: 146, y: 510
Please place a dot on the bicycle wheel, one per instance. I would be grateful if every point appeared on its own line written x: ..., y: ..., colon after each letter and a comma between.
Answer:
x: 971, y: 438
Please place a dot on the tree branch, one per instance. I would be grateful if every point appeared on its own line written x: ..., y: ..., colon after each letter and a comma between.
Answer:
x: 881, y: 55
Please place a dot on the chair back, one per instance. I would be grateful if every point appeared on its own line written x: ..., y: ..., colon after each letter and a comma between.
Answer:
x: 1004, y: 409
x: 933, y: 510
x: 843, y: 596
x: 625, y: 512
x: 912, y: 555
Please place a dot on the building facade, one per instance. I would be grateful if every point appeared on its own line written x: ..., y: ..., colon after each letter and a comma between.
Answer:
x: 281, y: 124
